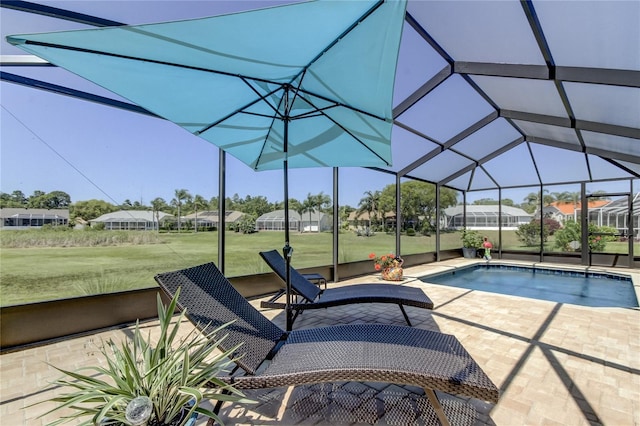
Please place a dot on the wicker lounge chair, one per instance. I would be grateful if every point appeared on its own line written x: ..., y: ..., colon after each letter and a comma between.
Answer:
x: 315, y: 298
x: 273, y: 358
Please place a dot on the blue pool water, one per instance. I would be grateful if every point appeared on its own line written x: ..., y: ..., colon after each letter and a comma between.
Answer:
x: 578, y: 288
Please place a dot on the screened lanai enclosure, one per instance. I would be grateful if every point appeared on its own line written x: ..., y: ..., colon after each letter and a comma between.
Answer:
x: 275, y: 221
x: 486, y: 217
x: 616, y: 215
x: 493, y: 101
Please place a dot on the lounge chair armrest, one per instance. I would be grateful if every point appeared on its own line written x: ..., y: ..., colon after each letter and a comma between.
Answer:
x: 317, y: 279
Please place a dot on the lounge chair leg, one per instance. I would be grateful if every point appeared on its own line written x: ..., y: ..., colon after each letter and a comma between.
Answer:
x: 406, y: 317
x: 436, y: 406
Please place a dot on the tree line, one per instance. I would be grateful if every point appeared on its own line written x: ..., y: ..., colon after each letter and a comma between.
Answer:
x: 183, y: 203
x: 417, y: 206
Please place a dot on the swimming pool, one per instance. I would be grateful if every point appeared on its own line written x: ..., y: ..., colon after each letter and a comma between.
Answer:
x: 578, y: 288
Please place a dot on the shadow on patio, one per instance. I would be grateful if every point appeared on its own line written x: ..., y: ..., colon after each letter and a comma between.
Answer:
x: 554, y: 364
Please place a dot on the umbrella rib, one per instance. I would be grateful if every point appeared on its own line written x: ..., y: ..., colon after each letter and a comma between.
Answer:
x: 255, y: 101
x: 256, y: 114
x: 299, y: 89
x: 316, y: 113
x: 263, y: 97
x: 277, y: 114
x: 349, y: 132
x: 340, y: 104
x: 285, y: 117
x: 243, y: 77
x: 152, y: 61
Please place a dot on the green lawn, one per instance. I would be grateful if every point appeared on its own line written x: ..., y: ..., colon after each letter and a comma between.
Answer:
x: 46, y: 273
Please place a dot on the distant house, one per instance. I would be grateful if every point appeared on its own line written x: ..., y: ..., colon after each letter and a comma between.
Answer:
x: 274, y: 221
x: 18, y: 218
x: 611, y: 213
x: 363, y: 219
x: 563, y: 210
x: 131, y: 220
x: 485, y: 217
x: 211, y: 219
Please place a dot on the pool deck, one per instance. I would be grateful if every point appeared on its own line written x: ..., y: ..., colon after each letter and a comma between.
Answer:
x: 555, y: 364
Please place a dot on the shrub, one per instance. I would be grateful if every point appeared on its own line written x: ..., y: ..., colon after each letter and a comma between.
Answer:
x: 551, y: 224
x: 599, y: 242
x: 48, y: 227
x: 572, y: 231
x: 411, y: 232
x: 529, y: 233
x: 98, y: 226
x: 427, y: 229
x: 247, y: 224
x: 470, y: 238
x: 565, y: 236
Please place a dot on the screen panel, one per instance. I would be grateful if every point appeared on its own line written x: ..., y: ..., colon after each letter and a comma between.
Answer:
x: 494, y: 31
x: 519, y: 94
x: 490, y: 138
x: 612, y: 143
x: 417, y: 63
x: 558, y: 165
x: 447, y: 110
x: 546, y: 131
x: 603, y: 34
x: 605, y: 104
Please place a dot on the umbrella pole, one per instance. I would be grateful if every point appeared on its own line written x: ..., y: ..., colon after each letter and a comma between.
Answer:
x: 287, y: 250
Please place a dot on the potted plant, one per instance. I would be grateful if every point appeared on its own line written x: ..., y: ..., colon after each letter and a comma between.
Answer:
x: 389, y: 265
x: 471, y: 241
x: 147, y: 384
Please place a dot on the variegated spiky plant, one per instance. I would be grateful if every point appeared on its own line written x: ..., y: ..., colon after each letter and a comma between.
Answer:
x: 174, y: 374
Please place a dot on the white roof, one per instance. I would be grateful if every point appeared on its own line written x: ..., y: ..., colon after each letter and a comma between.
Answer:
x: 279, y: 215
x: 130, y: 215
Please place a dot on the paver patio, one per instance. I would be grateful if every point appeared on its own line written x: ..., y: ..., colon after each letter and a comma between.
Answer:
x: 554, y: 363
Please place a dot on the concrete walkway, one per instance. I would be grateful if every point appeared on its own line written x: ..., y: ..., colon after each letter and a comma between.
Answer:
x: 554, y: 364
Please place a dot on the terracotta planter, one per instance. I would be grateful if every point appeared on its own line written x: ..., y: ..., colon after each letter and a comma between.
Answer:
x: 392, y: 274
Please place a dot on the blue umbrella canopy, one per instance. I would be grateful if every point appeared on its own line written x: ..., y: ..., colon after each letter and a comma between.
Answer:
x: 326, y: 68
x: 303, y: 85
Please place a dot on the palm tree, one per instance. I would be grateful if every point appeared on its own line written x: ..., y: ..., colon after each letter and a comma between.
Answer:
x: 296, y: 205
x: 157, y: 204
x: 308, y: 205
x: 199, y: 201
x: 180, y: 196
x: 563, y: 197
x: 322, y: 200
x: 533, y: 200
x: 370, y: 204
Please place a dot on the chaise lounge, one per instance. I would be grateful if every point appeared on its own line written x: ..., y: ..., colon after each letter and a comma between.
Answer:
x: 273, y: 358
x: 315, y: 298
